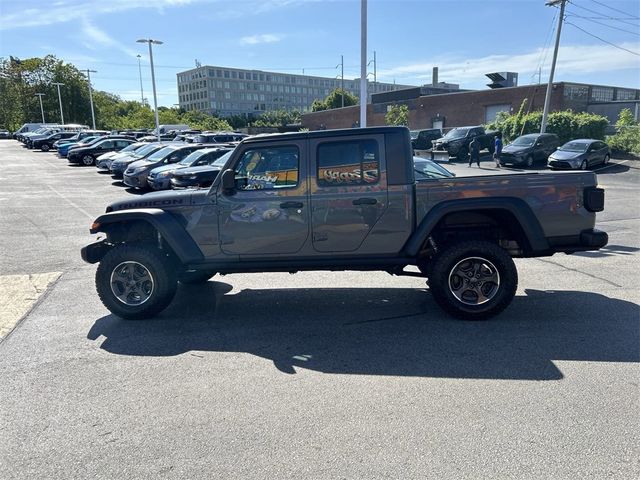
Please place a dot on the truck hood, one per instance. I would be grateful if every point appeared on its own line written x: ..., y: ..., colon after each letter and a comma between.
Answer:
x: 162, y: 200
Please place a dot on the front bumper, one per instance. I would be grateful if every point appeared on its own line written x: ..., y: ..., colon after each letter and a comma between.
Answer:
x: 135, y: 181
x: 159, y: 183
x: 561, y: 165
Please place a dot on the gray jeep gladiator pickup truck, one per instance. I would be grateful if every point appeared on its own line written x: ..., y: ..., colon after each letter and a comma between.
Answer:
x: 342, y: 200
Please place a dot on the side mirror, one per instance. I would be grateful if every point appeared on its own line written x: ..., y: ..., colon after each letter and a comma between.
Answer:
x: 228, y: 180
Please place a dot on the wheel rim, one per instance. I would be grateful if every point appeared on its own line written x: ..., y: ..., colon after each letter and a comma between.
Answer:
x: 131, y: 283
x: 87, y: 159
x: 474, y: 281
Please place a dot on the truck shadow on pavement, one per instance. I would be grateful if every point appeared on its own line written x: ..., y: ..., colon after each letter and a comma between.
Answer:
x: 380, y: 331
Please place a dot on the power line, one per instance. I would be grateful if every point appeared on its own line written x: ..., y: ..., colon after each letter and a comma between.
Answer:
x: 603, y: 24
x: 602, y: 14
x: 603, y: 40
x: 616, y: 10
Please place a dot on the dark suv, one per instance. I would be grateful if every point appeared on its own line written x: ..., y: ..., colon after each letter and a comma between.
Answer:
x: 421, y: 139
x: 87, y: 155
x: 526, y: 150
x: 45, y: 144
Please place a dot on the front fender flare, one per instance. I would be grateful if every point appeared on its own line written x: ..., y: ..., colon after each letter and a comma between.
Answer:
x: 166, y: 224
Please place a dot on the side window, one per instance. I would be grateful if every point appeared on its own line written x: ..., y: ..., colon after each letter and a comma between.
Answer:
x: 106, y: 145
x: 348, y: 163
x: 268, y: 168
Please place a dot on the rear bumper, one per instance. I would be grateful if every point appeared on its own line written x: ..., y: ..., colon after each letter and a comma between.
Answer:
x: 591, y: 239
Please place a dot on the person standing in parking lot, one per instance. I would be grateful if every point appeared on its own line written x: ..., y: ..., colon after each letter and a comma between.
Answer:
x: 498, y: 149
x: 474, y: 151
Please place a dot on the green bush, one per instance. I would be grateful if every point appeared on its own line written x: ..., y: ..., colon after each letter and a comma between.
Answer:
x: 627, y: 138
x: 568, y: 125
x: 397, y: 115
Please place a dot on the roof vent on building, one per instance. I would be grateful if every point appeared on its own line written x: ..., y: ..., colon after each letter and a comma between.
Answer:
x: 502, y: 79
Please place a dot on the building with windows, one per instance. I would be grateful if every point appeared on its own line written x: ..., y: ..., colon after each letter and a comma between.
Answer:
x: 476, y: 107
x: 235, y: 91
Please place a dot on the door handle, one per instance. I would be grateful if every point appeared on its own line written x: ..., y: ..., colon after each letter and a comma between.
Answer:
x: 365, y: 201
x: 291, y: 205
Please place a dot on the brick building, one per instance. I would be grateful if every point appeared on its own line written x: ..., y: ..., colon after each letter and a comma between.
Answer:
x: 477, y: 107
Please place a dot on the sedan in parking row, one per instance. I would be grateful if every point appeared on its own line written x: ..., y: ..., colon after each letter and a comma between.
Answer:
x: 580, y: 154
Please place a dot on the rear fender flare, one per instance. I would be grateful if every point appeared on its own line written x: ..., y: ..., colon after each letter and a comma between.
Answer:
x: 517, y: 207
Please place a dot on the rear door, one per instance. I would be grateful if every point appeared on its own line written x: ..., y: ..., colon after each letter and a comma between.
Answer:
x: 348, y: 190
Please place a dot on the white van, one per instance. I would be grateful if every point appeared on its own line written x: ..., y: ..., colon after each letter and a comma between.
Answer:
x: 32, y: 127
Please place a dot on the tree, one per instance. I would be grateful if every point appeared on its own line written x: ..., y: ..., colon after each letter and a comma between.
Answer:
x: 277, y: 118
x: 397, y: 115
x: 627, y: 138
x: 334, y: 100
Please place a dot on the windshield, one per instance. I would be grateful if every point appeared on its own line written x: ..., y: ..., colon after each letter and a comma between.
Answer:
x: 192, y: 158
x: 146, y: 150
x: 524, y: 141
x: 88, y: 140
x: 456, y: 133
x: 130, y: 148
x: 160, y: 154
x: 222, y: 160
x: 574, y: 147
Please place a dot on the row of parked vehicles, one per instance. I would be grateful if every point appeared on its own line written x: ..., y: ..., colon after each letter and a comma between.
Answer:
x: 525, y: 151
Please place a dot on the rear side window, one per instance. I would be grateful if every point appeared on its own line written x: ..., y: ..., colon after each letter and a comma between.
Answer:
x: 348, y: 163
x: 269, y: 167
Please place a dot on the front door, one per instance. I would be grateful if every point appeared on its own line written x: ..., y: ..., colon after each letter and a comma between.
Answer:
x: 348, y: 191
x: 268, y: 213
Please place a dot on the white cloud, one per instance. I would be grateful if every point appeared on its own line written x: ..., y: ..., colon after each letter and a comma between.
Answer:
x: 93, y: 37
x: 572, y: 59
x: 261, y: 38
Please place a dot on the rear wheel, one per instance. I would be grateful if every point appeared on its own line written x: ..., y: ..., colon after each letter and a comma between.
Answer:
x: 88, y: 160
x: 135, y: 281
x: 473, y: 280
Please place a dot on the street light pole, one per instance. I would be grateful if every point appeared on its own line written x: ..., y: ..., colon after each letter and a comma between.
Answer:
x: 363, y: 63
x: 39, y: 95
x: 57, y: 84
x: 547, y: 98
x: 93, y: 113
x: 150, y: 41
x: 140, y: 72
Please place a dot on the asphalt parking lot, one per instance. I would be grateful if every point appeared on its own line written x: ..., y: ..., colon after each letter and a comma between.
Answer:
x: 318, y: 375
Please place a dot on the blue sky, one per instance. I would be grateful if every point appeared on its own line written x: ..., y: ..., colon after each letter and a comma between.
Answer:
x: 466, y: 39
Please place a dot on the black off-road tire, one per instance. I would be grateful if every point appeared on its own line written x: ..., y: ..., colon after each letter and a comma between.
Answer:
x: 195, y: 277
x: 444, y: 272
x: 159, y: 268
x: 463, y: 154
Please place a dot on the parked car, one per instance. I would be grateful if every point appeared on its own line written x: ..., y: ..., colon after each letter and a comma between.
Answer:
x: 28, y: 137
x: 63, y: 148
x: 456, y: 143
x: 580, y: 154
x: 219, y: 137
x: 31, y: 127
x: 160, y: 177
x: 119, y: 165
x: 135, y: 175
x: 425, y: 169
x: 422, y: 139
x: 103, y: 162
x: 87, y: 155
x: 46, y: 144
x: 527, y: 150
x: 5, y: 133
x: 200, y: 176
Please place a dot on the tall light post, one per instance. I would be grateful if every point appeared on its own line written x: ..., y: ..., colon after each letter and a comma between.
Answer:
x: 40, y: 95
x: 150, y: 41
x: 547, y: 98
x: 140, y: 72
x: 363, y: 64
x: 341, y: 65
x: 57, y: 84
x: 93, y: 113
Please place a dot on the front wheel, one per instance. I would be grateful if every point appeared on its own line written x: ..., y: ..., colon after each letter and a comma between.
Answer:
x: 135, y: 282
x: 473, y: 280
x: 45, y: 148
x: 88, y: 160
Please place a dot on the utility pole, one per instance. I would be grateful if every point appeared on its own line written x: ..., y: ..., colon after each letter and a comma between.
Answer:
x: 375, y: 74
x: 140, y: 72
x: 547, y: 98
x: 150, y: 41
x: 363, y: 63
x: 40, y: 95
x: 93, y: 113
x: 57, y: 84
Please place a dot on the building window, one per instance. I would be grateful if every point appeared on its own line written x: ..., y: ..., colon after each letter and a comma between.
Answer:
x: 226, y: 74
x: 601, y: 94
